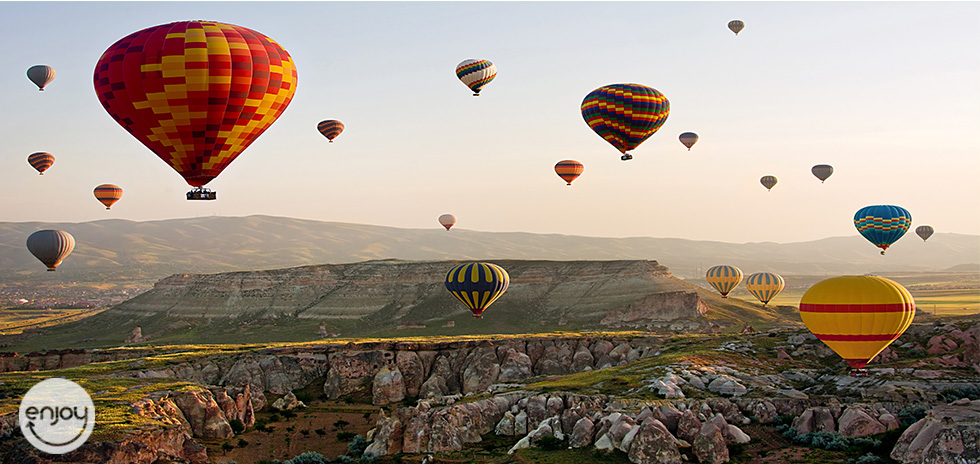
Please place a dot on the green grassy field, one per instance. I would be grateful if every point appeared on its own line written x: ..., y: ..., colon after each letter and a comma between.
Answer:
x: 15, y: 321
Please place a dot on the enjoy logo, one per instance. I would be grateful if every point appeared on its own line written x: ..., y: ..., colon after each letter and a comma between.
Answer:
x: 57, y: 416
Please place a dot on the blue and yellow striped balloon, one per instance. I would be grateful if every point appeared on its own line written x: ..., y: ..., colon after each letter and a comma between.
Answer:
x: 724, y: 278
x: 765, y: 286
x: 477, y: 285
x: 882, y: 225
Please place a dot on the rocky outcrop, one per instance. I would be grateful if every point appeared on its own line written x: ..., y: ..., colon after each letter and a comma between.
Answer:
x: 656, y: 309
x: 949, y: 433
x: 288, y: 402
x: 855, y: 422
x: 142, y: 446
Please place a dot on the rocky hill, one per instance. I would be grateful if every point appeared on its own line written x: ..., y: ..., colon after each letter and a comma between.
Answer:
x: 120, y: 250
x: 381, y: 298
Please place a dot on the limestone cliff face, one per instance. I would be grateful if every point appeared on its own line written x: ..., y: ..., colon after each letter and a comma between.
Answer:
x: 384, y: 292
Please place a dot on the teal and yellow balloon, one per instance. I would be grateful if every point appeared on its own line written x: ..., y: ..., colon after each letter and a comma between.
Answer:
x: 765, y: 286
x: 882, y: 225
x: 625, y: 115
x: 724, y: 278
x: 477, y: 285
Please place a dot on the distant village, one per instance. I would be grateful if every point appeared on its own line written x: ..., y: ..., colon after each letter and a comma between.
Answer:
x: 29, y: 297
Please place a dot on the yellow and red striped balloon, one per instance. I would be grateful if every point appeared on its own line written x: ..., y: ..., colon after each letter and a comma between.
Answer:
x: 857, y: 316
x: 724, y: 278
x: 41, y: 161
x: 765, y: 286
x: 569, y: 170
x: 108, y: 194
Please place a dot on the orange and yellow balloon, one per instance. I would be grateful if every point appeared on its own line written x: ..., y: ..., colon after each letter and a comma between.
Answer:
x: 569, y: 170
x: 108, y: 194
x: 857, y: 316
x: 196, y: 93
x: 724, y: 278
x: 41, y: 161
x: 765, y: 286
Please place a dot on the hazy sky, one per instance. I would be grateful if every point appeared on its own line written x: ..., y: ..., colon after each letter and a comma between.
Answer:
x: 886, y: 92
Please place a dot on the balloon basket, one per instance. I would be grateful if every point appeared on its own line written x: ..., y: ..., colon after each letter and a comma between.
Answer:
x: 201, y: 193
x: 858, y: 373
x: 50, y: 269
x: 477, y: 316
x: 626, y: 157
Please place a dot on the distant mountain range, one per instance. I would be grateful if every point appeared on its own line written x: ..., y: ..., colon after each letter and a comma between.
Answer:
x: 120, y: 250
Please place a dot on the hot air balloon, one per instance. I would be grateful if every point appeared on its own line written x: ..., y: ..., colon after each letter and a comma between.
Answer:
x: 924, y: 232
x: 50, y: 246
x: 736, y: 26
x: 447, y: 220
x: 477, y: 285
x: 569, y: 170
x: 765, y: 286
x: 625, y: 114
x: 882, y: 225
x: 857, y: 316
x: 822, y: 171
x: 769, y: 182
x: 476, y: 74
x: 689, y: 139
x: 41, y: 161
x: 330, y: 128
x: 108, y: 194
x: 724, y: 278
x: 196, y: 93
x: 41, y: 75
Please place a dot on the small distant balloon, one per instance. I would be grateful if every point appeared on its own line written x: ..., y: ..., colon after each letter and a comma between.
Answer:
x: 108, y: 194
x: 768, y: 182
x: 724, y: 278
x: 477, y: 285
x: 41, y: 161
x: 41, y: 75
x: 689, y: 139
x: 330, y: 128
x: 569, y: 170
x: 924, y: 232
x: 765, y: 286
x: 822, y: 171
x: 736, y: 26
x: 476, y: 74
x: 50, y: 246
x: 882, y: 225
x: 447, y: 221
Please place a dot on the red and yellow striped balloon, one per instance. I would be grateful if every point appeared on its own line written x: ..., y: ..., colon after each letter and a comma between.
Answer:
x: 108, y: 194
x: 41, y: 161
x: 857, y: 316
x: 196, y: 93
x: 330, y: 128
x: 569, y: 170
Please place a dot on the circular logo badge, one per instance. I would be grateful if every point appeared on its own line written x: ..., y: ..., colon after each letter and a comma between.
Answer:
x: 57, y: 416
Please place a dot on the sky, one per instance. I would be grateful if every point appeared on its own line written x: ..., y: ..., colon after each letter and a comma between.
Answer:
x: 886, y: 92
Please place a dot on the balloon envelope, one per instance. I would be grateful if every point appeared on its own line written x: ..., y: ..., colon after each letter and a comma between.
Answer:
x: 477, y: 285
x: 330, y: 128
x: 768, y: 182
x: 41, y: 75
x: 765, y: 286
x: 822, y: 171
x: 857, y: 316
x: 736, y: 26
x: 625, y: 115
x: 724, y: 278
x: 447, y: 220
x: 50, y: 246
x: 882, y: 225
x: 689, y: 139
x: 196, y: 93
x: 108, y: 194
x: 41, y: 161
x: 924, y: 232
x: 569, y: 170
x: 476, y: 74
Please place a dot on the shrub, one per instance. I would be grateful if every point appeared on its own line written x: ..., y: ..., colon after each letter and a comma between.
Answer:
x: 340, y: 424
x: 237, y: 426
x: 912, y: 413
x: 550, y: 443
x: 242, y: 443
x: 970, y: 392
x: 309, y: 457
x: 320, y: 432
x: 305, y: 432
x: 345, y: 436
x: 274, y: 418
x: 357, y: 446
x: 289, y: 414
x: 916, y: 353
x: 226, y: 447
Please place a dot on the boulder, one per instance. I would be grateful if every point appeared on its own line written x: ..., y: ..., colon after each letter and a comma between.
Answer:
x: 506, y: 425
x: 481, y: 370
x: 653, y: 443
x: 515, y: 367
x: 814, y: 420
x: 688, y: 426
x: 388, y: 387
x: 581, y: 434
x: 709, y: 445
x: 855, y: 422
x: 948, y: 434
x: 667, y: 415
x: 412, y: 369
x: 582, y: 359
